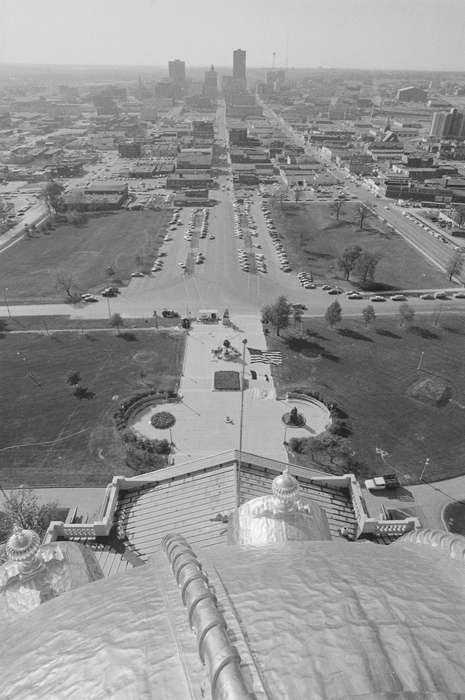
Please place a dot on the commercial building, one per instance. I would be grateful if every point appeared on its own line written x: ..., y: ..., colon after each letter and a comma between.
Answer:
x: 411, y: 94
x: 196, y: 180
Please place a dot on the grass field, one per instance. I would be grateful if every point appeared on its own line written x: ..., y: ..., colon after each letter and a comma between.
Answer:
x: 39, y: 406
x: 49, y: 324
x: 29, y: 269
x: 314, y: 240
x: 369, y: 374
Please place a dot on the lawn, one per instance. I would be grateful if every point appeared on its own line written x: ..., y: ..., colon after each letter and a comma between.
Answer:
x: 314, y: 240
x: 29, y: 269
x: 49, y: 437
x: 370, y: 375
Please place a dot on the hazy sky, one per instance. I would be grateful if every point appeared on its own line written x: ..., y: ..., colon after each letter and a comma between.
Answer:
x: 415, y: 34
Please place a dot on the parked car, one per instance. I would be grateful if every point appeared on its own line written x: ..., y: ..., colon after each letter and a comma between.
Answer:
x: 137, y: 274
x: 459, y: 295
x: 377, y: 297
x: 398, y: 297
x: 387, y: 481
x: 88, y: 297
x: 354, y: 295
x: 428, y: 296
x: 169, y: 313
x: 441, y: 295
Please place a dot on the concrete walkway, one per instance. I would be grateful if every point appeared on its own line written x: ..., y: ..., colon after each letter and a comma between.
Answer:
x: 201, y: 428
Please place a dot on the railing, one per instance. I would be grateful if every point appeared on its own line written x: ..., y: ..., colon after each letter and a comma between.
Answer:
x: 374, y: 526
x: 453, y: 545
x: 89, y: 531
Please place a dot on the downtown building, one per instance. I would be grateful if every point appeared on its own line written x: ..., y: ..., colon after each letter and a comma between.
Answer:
x: 210, y: 84
x: 448, y: 125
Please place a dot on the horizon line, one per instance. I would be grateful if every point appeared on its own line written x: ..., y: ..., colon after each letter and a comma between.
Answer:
x: 229, y: 66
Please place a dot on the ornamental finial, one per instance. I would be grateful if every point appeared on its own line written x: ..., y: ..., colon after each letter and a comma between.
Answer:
x: 285, y: 488
x: 22, y: 548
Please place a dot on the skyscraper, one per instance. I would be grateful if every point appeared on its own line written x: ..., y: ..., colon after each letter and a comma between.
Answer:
x: 210, y: 86
x: 239, y: 66
x: 177, y: 72
x: 448, y: 125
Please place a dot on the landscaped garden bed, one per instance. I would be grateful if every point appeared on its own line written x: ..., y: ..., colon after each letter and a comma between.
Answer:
x: 226, y: 380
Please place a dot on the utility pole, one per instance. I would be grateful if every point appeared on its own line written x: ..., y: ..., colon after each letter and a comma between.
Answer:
x: 109, y: 310
x: 244, y: 344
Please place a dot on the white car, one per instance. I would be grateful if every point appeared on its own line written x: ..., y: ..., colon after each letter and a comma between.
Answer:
x: 377, y: 297
x: 399, y: 297
x: 354, y: 295
x: 137, y: 274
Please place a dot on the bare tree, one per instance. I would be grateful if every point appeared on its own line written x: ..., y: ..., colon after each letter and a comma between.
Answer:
x: 406, y: 314
x: 362, y: 213
x: 116, y: 321
x: 337, y: 208
x: 365, y: 266
x: 368, y: 314
x: 65, y: 282
x: 348, y: 259
x: 455, y: 264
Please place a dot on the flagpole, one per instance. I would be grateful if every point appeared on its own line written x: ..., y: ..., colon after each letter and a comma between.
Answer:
x: 241, y: 422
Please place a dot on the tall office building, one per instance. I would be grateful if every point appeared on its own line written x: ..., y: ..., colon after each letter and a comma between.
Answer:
x: 177, y: 72
x: 448, y: 125
x: 210, y: 85
x: 239, y: 66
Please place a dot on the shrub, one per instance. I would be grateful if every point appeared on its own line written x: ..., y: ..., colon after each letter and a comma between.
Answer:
x: 162, y: 420
x: 298, y: 445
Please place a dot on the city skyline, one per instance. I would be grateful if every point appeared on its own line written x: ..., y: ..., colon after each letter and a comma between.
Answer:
x: 400, y: 35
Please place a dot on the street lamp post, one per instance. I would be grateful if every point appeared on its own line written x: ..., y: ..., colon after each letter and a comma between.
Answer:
x: 424, y: 467
x: 5, y: 292
x: 241, y: 421
x: 109, y: 310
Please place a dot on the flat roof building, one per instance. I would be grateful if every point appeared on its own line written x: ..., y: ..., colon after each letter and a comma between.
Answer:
x: 177, y: 71
x: 239, y: 66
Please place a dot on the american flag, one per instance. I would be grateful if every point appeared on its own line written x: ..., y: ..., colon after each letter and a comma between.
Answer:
x: 272, y: 358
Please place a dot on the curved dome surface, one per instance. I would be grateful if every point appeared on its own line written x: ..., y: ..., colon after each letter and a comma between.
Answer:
x: 326, y: 620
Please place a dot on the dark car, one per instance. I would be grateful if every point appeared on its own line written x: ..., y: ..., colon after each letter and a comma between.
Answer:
x: 169, y: 313
x: 300, y: 306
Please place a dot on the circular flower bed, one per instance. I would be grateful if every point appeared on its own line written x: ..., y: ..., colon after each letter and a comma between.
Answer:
x: 163, y: 420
